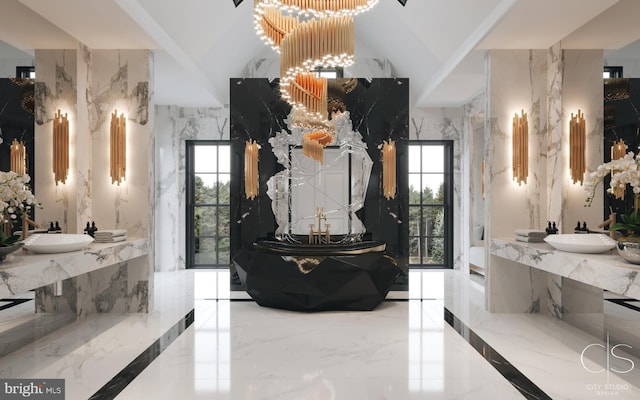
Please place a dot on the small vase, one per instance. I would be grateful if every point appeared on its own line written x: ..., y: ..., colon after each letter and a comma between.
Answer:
x: 629, y: 250
x: 5, y: 250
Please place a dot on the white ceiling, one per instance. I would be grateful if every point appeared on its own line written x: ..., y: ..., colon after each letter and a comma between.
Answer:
x: 200, y: 44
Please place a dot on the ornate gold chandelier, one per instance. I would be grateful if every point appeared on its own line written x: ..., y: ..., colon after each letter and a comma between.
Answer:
x: 309, y: 34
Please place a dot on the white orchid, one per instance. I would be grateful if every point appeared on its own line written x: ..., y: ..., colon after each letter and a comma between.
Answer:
x: 15, y: 196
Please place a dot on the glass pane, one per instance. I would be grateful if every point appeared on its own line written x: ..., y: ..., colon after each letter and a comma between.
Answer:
x: 224, y: 155
x: 205, y: 251
x: 414, y: 158
x: 435, y: 251
x: 204, y: 221
x: 432, y: 188
x: 434, y: 217
x: 205, y: 158
x: 433, y: 158
x: 414, y: 251
x: 205, y: 190
x: 414, y: 188
x: 224, y: 190
x: 414, y: 221
x: 223, y: 221
x: 223, y: 251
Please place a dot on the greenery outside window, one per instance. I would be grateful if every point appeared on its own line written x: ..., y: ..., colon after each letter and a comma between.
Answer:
x: 208, y: 204
x: 430, y: 194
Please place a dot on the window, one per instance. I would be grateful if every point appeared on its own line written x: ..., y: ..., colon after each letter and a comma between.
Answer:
x: 208, y: 194
x: 430, y: 193
x: 612, y: 72
x: 26, y: 72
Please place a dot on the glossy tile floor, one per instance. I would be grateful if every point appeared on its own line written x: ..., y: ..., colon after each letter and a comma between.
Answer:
x: 235, y: 349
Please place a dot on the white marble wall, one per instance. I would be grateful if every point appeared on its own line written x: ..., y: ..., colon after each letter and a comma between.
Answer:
x: 89, y: 85
x: 446, y: 124
x: 582, y: 89
x: 175, y: 125
x: 55, y: 89
x: 516, y: 83
x: 549, y: 86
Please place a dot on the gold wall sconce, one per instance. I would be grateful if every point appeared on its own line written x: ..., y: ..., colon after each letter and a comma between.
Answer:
x: 60, y: 147
x: 118, y: 148
x: 520, y: 161
x: 251, y: 177
x: 389, y: 169
x: 577, y: 145
x: 18, y: 157
x: 618, y: 151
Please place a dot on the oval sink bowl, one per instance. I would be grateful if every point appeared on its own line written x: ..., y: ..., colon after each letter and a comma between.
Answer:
x: 56, y: 243
x: 581, y: 243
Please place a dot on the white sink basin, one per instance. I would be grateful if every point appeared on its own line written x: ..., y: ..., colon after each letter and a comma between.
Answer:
x: 581, y: 242
x: 56, y: 243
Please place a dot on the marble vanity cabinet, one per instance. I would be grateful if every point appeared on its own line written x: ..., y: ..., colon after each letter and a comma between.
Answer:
x: 535, y: 278
x: 104, y: 277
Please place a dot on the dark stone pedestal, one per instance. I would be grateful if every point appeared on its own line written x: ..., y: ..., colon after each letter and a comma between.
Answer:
x: 317, y: 283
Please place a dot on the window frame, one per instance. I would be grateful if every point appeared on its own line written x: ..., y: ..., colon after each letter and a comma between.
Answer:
x: 191, y: 205
x: 446, y: 205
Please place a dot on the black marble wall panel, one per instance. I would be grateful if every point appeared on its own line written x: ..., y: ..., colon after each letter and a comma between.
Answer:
x: 621, y: 121
x: 379, y: 110
x: 16, y: 121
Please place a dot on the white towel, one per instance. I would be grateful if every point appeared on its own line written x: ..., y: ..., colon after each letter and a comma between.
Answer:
x: 109, y: 233
x: 114, y: 239
x: 529, y: 239
x: 531, y: 233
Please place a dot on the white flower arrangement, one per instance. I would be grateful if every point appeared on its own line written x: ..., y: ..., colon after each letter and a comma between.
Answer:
x: 624, y: 171
x: 16, y: 198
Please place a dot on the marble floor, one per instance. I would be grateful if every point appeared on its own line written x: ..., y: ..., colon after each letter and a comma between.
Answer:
x: 433, y: 342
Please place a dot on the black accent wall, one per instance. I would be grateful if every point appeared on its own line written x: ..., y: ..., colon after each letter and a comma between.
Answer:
x: 621, y: 121
x: 379, y: 110
x: 16, y: 121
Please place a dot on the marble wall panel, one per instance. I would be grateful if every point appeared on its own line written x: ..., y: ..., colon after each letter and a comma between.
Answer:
x: 447, y: 124
x: 90, y: 85
x: 582, y: 89
x: 175, y: 125
x: 55, y: 89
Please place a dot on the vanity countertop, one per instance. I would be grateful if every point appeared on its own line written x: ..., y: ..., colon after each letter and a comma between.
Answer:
x: 604, y: 270
x: 22, y: 270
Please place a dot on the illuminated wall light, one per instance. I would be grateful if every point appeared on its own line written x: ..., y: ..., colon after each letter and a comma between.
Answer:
x: 60, y: 147
x: 577, y: 147
x: 118, y: 148
x: 618, y: 151
x: 18, y: 157
x: 520, y: 142
x: 251, y: 175
x: 389, y: 169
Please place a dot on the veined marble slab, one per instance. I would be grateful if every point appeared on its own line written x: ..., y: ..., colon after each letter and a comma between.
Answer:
x: 21, y: 271
x: 607, y: 270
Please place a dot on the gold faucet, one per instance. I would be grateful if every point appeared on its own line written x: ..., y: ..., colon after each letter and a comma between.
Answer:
x: 320, y: 235
x: 609, y: 221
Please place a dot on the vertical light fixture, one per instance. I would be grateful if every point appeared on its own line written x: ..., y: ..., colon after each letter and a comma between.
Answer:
x: 577, y: 145
x: 118, y: 148
x: 251, y: 148
x: 520, y: 157
x: 618, y: 151
x: 389, y: 169
x: 60, y: 147
x: 18, y: 157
